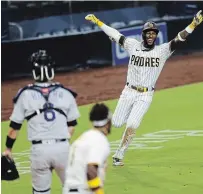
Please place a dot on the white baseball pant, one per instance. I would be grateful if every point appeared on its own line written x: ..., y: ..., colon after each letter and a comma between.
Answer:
x: 130, y: 110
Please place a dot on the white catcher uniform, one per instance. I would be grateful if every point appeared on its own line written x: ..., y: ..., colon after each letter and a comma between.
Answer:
x: 92, y: 147
x: 144, y: 68
x: 49, y: 131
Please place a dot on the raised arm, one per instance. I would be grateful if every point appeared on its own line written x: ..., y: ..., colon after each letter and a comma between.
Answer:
x: 182, y: 36
x: 113, y: 34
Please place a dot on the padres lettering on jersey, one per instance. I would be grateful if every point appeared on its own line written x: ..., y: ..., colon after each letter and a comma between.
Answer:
x: 144, y: 67
x: 147, y: 62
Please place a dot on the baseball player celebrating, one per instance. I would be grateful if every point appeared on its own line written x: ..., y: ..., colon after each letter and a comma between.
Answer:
x: 51, y: 113
x: 87, y: 159
x: 145, y: 65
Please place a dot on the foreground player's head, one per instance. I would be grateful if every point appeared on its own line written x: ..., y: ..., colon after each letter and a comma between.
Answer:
x: 149, y: 34
x: 42, y: 66
x: 100, y: 116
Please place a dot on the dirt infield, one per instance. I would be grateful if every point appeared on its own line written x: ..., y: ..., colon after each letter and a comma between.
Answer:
x: 107, y: 83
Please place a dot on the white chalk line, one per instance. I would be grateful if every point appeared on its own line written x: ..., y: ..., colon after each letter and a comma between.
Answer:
x: 145, y: 142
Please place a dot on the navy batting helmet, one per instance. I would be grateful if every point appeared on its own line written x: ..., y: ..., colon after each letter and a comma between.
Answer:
x: 148, y: 26
x: 42, y: 66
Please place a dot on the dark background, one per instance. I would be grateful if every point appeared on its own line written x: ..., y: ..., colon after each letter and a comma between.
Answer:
x: 83, y: 50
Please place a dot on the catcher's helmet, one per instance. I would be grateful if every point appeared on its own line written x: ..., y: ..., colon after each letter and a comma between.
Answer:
x: 149, y: 26
x: 42, y: 66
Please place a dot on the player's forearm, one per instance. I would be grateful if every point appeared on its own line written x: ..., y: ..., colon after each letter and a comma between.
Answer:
x: 71, y: 130
x: 183, y: 35
x: 94, y: 181
x: 11, y: 138
x: 71, y: 126
x: 12, y: 133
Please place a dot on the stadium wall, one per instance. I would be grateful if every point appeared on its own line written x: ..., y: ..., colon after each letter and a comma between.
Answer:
x: 71, y: 52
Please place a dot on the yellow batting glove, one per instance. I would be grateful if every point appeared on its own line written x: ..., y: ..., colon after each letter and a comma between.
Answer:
x: 94, y: 184
x: 92, y: 18
x: 99, y: 191
x: 197, y: 20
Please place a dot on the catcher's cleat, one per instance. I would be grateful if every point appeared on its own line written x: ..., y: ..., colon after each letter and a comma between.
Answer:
x: 117, y: 162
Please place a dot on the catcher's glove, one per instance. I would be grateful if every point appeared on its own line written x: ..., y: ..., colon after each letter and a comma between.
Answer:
x: 9, y: 171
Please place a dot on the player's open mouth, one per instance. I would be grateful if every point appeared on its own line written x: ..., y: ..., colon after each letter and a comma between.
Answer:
x: 150, y: 40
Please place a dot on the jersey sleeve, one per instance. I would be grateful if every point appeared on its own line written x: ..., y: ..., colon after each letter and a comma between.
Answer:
x: 166, y: 50
x: 18, y: 114
x: 98, y: 154
x: 73, y: 112
x: 130, y: 43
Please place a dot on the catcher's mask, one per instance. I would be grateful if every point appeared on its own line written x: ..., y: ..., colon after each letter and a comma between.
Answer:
x: 42, y: 66
x: 149, y: 26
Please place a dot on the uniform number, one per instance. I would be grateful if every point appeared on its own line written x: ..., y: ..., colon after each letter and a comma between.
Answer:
x: 49, y: 115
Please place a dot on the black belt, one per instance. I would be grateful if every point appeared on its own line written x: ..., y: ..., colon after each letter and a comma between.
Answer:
x: 40, y: 141
x: 73, y: 190
x: 140, y: 89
